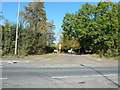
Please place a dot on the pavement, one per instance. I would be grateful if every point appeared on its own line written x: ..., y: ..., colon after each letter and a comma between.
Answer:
x: 64, y: 71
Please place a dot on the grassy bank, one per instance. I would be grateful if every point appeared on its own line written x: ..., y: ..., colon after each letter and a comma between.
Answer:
x: 98, y: 56
x: 44, y: 56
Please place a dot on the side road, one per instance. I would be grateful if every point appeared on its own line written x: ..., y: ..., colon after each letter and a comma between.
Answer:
x: 62, y: 59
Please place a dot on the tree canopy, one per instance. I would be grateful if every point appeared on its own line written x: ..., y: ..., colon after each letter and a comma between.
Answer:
x: 35, y: 34
x: 95, y: 27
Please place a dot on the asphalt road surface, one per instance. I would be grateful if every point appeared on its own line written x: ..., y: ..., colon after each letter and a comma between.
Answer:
x: 64, y: 71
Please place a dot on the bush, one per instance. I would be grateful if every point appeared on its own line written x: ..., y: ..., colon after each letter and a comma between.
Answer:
x: 111, y: 53
x: 49, y: 49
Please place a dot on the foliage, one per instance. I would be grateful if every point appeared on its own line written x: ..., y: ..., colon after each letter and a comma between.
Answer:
x: 49, y: 49
x: 95, y: 27
x: 34, y: 32
x: 70, y: 43
x: 8, y: 35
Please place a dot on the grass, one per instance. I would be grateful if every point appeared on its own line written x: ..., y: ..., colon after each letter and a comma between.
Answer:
x: 98, y: 56
x: 44, y: 56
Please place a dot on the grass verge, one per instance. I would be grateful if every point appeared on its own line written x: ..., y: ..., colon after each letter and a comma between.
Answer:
x: 98, y: 56
x: 44, y: 56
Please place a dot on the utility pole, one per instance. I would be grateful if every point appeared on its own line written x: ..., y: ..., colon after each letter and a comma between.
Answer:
x: 16, y: 39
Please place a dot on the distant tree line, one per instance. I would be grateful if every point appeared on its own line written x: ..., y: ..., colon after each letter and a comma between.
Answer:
x: 93, y: 27
x: 35, y: 34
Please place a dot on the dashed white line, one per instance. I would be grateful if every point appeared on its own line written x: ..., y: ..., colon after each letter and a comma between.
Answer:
x: 62, y: 77
x: 57, y: 77
x: 110, y: 74
x: 85, y: 76
x: 104, y: 75
x: 3, y: 78
x: 99, y: 60
x: 96, y: 75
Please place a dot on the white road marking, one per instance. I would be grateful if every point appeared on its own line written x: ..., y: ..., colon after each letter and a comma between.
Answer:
x: 85, y: 76
x: 10, y: 62
x: 110, y: 74
x: 99, y: 60
x: 96, y: 75
x: 62, y: 77
x: 57, y: 77
x: 104, y: 75
x: 3, y: 78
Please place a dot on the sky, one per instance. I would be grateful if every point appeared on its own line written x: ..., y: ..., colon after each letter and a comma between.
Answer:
x: 59, y: 0
x: 54, y: 11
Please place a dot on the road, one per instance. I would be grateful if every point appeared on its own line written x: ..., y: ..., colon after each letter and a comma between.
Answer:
x: 64, y: 71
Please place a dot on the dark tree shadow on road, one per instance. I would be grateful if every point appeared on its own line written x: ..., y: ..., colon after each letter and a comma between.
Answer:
x: 102, y: 75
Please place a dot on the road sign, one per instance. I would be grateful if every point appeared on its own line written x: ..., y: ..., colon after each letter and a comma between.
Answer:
x: 60, y: 46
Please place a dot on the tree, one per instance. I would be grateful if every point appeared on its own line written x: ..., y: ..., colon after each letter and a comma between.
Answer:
x: 95, y: 26
x: 70, y: 43
x: 8, y: 38
x: 50, y: 33
x: 34, y: 15
x: 35, y: 34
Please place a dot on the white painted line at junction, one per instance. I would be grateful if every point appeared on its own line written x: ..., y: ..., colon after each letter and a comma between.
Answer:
x: 57, y: 77
x: 96, y: 75
x: 104, y: 75
x: 62, y: 77
x: 99, y: 60
x: 110, y: 75
x: 85, y: 76
x: 3, y: 78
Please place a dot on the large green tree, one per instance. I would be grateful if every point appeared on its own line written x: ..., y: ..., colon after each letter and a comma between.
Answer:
x: 95, y: 26
x: 37, y: 27
x: 35, y: 34
x: 8, y: 38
